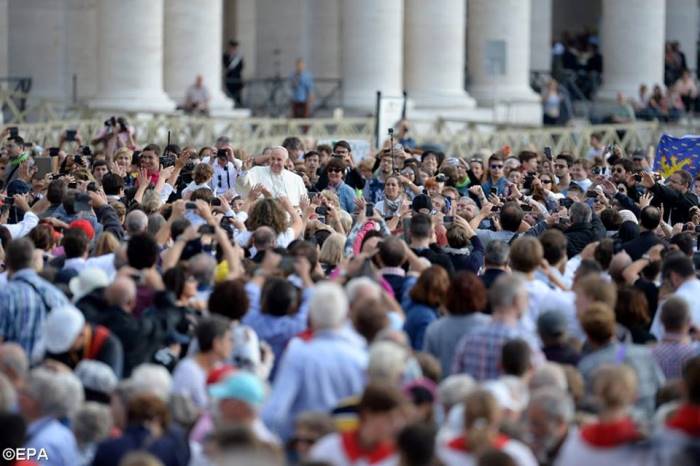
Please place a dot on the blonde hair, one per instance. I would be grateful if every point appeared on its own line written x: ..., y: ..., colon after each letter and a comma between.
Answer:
x: 331, y: 198
x: 151, y: 201
x: 106, y: 243
x: 615, y: 386
x: 332, y: 249
x: 123, y: 151
x: 482, y: 416
x: 202, y: 172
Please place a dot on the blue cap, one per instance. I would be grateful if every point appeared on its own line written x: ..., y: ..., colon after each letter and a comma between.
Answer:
x: 242, y: 386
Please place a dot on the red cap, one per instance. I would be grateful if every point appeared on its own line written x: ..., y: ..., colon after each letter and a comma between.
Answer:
x: 84, y: 225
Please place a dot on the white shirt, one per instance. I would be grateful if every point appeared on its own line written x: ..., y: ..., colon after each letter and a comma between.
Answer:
x: 105, y: 263
x: 577, y: 452
x: 330, y: 449
x: 190, y: 380
x: 285, y: 184
x: 452, y: 455
x: 198, y: 95
x: 18, y: 230
x: 224, y: 178
x: 690, y: 291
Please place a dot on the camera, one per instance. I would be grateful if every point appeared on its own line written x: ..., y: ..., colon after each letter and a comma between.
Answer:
x: 70, y: 134
x: 441, y: 178
x: 215, y: 202
x: 53, y: 151
x: 369, y: 209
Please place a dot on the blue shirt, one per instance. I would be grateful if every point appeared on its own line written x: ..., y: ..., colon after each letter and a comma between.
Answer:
x: 302, y: 84
x: 346, y: 196
x: 57, y: 441
x: 314, y: 376
x: 418, y: 317
x: 26, y: 299
x: 275, y: 330
x: 374, y: 190
x: 500, y: 186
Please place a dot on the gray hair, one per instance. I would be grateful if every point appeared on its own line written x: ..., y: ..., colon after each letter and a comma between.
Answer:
x: 387, y: 361
x: 152, y: 378
x: 580, y: 213
x: 155, y: 222
x: 45, y: 388
x: 72, y: 394
x: 8, y: 395
x: 496, y: 253
x: 362, y: 286
x: 556, y: 404
x: 328, y: 308
x: 92, y: 423
x: 548, y: 374
x: 202, y: 267
x: 136, y: 222
x: 454, y: 389
x: 280, y: 149
x: 506, y: 289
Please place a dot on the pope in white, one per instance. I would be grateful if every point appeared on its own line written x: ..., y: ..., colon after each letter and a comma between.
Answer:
x: 275, y: 178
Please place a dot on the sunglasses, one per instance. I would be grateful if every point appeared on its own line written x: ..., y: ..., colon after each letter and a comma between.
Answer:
x: 334, y: 170
x: 543, y: 181
x: 559, y: 165
x: 496, y: 167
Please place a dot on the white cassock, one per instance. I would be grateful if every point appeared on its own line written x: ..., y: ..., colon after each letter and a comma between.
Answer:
x: 286, y: 184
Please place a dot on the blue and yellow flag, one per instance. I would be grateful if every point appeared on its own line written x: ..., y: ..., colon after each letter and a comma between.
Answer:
x: 674, y: 154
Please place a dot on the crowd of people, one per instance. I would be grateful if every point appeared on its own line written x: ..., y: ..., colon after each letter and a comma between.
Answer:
x: 577, y: 73
x: 204, y: 306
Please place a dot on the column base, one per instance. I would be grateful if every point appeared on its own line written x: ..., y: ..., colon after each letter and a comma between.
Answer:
x: 510, y: 104
x: 366, y: 100
x: 609, y: 93
x: 446, y: 100
x: 158, y: 103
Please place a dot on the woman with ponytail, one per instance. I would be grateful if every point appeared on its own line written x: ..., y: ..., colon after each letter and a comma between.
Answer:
x: 482, y: 419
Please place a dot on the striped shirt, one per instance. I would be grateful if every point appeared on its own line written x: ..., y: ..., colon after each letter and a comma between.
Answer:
x: 25, y: 301
x: 671, y: 354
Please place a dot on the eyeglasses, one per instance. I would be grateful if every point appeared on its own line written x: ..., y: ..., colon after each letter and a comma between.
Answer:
x: 496, y: 167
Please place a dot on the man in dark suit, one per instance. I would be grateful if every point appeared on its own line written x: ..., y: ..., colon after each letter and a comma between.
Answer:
x: 675, y: 196
x: 233, y: 70
x: 648, y: 223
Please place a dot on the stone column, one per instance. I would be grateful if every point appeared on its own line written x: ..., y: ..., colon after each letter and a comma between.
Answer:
x: 130, y: 54
x: 682, y: 26
x: 371, y: 50
x: 323, y: 26
x: 434, y: 53
x: 541, y: 35
x: 193, y: 30
x: 37, y: 47
x: 499, y: 58
x: 632, y: 39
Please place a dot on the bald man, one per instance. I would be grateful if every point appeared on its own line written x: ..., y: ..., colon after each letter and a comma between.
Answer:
x: 278, y: 181
x: 14, y: 363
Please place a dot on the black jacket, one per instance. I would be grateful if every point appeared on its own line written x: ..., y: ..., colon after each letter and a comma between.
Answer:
x: 579, y: 235
x: 676, y: 204
x: 436, y: 256
x: 469, y: 261
x: 637, y: 247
